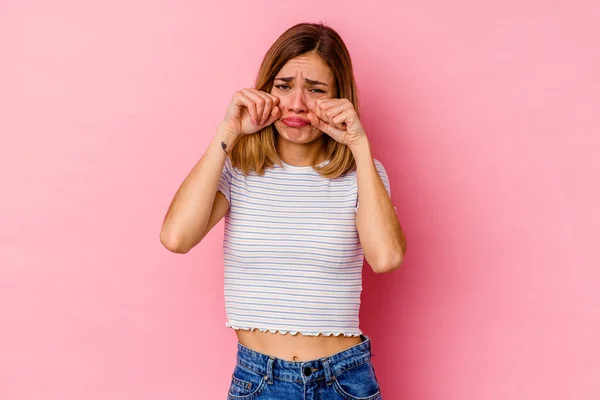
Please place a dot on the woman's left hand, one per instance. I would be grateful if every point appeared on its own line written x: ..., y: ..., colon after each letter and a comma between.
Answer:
x: 338, y: 119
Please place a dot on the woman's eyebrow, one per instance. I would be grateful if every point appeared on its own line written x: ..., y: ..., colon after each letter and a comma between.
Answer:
x: 309, y: 81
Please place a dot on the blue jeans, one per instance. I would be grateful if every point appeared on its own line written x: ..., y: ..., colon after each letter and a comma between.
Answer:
x: 347, y: 375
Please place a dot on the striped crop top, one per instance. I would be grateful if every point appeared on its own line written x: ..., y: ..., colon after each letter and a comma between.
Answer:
x: 292, y: 256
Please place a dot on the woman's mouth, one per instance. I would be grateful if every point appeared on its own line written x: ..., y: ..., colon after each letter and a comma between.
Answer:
x: 295, y: 122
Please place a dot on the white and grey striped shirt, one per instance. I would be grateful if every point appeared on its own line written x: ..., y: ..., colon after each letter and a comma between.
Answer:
x: 293, y: 259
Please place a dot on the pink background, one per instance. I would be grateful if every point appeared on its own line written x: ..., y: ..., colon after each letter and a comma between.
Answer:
x: 485, y: 116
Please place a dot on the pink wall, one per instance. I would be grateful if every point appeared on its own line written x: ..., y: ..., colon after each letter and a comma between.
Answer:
x: 486, y: 118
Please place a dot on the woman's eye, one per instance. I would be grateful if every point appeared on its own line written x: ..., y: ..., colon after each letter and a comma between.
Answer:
x: 287, y: 87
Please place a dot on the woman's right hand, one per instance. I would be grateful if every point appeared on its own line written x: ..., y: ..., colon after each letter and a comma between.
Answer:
x: 251, y: 110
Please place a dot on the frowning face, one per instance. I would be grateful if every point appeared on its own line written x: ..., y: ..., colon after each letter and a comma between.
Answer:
x: 300, y: 82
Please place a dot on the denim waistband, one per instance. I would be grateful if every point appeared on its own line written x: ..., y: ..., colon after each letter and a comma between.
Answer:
x: 304, y: 371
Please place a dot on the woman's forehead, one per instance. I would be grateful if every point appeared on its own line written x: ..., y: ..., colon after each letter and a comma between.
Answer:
x: 307, y: 66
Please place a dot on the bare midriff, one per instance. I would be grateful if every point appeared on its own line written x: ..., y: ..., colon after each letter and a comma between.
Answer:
x: 296, y: 347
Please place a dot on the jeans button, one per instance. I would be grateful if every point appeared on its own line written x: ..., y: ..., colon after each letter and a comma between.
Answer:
x: 307, y: 371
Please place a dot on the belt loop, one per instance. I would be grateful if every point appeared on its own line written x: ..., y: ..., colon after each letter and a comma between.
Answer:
x: 269, y: 376
x: 329, y: 377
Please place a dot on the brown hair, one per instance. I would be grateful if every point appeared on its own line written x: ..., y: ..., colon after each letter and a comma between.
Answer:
x: 258, y: 151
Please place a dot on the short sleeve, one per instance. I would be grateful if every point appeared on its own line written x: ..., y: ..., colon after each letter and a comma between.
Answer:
x: 224, y: 185
x: 384, y: 178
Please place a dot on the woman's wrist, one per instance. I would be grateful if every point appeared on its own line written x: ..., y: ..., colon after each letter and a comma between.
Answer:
x: 360, y: 147
x: 225, y: 138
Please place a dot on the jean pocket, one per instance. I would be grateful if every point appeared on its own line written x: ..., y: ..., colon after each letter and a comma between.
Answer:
x: 245, y: 384
x: 358, y: 383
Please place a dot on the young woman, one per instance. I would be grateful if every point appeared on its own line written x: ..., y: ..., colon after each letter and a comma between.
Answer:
x: 287, y: 167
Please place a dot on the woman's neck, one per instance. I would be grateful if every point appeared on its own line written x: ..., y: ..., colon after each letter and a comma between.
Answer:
x: 301, y: 155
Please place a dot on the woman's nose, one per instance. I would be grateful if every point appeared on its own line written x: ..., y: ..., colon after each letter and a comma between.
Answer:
x: 298, y: 103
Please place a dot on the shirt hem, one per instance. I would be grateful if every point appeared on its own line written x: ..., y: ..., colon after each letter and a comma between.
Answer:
x: 291, y: 332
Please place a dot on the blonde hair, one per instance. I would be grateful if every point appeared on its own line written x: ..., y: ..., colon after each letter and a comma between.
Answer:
x: 258, y: 151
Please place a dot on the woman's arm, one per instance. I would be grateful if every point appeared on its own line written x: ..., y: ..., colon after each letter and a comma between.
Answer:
x: 380, y: 233
x: 378, y: 228
x: 197, y: 206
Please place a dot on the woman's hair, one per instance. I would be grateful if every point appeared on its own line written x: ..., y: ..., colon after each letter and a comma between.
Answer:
x: 258, y: 151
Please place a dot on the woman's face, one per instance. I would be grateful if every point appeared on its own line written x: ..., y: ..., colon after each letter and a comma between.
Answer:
x: 300, y: 82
